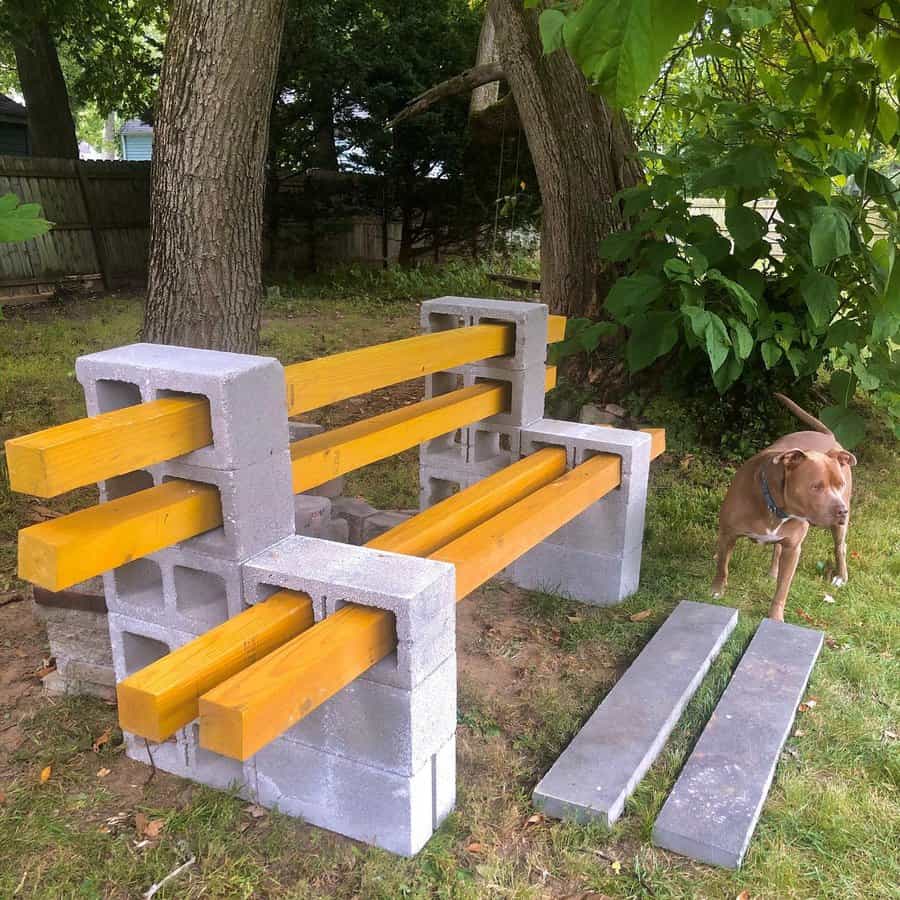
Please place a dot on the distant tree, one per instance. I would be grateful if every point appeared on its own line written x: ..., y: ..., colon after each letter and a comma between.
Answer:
x: 210, y: 142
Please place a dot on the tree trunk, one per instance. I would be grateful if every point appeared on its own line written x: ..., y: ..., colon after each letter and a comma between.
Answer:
x: 324, y: 153
x: 50, y: 124
x: 210, y: 143
x: 486, y: 94
x: 583, y: 154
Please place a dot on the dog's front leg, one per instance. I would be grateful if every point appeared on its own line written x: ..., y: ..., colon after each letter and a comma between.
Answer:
x: 839, y: 532
x: 787, y: 566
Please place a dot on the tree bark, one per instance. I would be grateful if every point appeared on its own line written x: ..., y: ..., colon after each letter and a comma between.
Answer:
x: 324, y: 153
x: 486, y: 94
x: 583, y: 154
x: 50, y: 124
x: 210, y: 143
x: 459, y: 84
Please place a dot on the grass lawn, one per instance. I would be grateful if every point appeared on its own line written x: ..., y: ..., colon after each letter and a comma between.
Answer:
x: 532, y: 668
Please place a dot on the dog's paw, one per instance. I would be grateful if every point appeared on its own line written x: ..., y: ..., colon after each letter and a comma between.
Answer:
x: 837, y: 581
x: 718, y: 593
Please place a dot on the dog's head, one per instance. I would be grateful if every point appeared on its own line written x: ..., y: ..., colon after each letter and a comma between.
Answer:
x: 815, y: 484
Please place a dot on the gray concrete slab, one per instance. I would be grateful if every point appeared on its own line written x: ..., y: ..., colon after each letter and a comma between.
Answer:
x: 598, y: 771
x: 715, y: 804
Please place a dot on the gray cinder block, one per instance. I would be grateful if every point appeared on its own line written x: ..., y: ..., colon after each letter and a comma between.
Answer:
x: 246, y: 395
x: 398, y: 813
x: 526, y: 391
x: 382, y: 726
x: 529, y: 319
x: 381, y: 522
x: 437, y: 482
x: 355, y: 512
x: 419, y: 592
x: 583, y: 441
x: 310, y: 513
x: 603, y: 764
x: 136, y: 643
x: 714, y: 807
x: 257, y: 506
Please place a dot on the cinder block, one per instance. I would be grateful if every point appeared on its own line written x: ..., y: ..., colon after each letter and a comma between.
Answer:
x: 606, y: 760
x: 529, y: 319
x: 177, y: 588
x: 398, y: 813
x: 593, y: 578
x: 526, y: 392
x: 355, y: 512
x: 714, y: 807
x: 337, y: 530
x: 257, y: 506
x: 381, y: 522
x: 246, y: 395
x: 136, y: 643
x: 129, y: 483
x: 330, y: 489
x: 299, y: 431
x: 382, y: 726
x: 419, y: 592
x: 437, y: 482
x: 310, y: 513
x: 583, y: 441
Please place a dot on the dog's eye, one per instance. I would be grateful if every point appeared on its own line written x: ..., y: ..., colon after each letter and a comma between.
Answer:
x: 818, y: 486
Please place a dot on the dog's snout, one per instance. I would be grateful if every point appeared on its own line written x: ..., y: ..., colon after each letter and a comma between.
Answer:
x: 840, y: 514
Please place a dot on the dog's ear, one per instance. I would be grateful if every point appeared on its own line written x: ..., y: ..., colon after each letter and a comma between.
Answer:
x: 789, y: 458
x: 844, y: 457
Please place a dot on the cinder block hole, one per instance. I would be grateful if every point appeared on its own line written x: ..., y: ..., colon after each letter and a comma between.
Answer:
x: 506, y: 443
x: 487, y: 320
x: 232, y: 769
x: 440, y: 489
x: 445, y: 321
x: 486, y: 445
x: 129, y: 483
x: 139, y: 583
x: 200, y: 595
x: 444, y: 382
x: 113, y: 395
x: 450, y: 445
x: 140, y: 651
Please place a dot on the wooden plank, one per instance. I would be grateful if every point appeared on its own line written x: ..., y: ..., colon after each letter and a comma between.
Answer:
x: 50, y: 462
x: 488, y: 548
x: 317, y: 383
x: 162, y: 697
x: 249, y: 710
x: 556, y: 329
x: 61, y: 552
x: 658, y: 441
x: 325, y: 456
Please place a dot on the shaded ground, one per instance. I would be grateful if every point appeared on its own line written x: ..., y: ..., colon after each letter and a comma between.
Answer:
x: 532, y: 667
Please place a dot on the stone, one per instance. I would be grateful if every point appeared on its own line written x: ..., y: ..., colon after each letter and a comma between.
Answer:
x: 599, y: 770
x: 713, y: 809
x: 591, y: 414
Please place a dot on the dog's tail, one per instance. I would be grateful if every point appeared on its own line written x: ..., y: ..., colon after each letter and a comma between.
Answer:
x: 803, y: 415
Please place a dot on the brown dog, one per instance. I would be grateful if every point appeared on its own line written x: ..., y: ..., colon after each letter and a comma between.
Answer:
x: 802, y: 479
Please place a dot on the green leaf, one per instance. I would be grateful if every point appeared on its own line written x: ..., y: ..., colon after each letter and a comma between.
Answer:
x: 633, y: 295
x: 847, y: 425
x: 589, y: 338
x: 771, y: 353
x: 20, y: 223
x: 698, y: 317
x: 887, y: 121
x: 742, y: 339
x: 797, y: 358
x: 652, y: 336
x: 887, y: 53
x: 746, y: 226
x: 842, y: 386
x: 727, y: 373
x: 677, y: 270
x: 820, y: 293
x: 551, y: 24
x: 621, y: 44
x: 829, y: 237
x: 748, y: 306
x: 748, y: 17
x: 717, y: 341
x: 620, y: 245
x: 754, y: 166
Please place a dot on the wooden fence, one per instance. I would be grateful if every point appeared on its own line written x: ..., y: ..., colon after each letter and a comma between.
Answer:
x: 101, y: 211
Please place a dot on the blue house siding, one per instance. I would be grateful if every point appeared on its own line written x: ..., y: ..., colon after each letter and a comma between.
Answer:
x: 137, y: 146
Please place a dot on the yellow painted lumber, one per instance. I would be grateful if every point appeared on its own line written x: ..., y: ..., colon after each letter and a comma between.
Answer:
x: 658, y: 441
x: 488, y: 548
x: 56, y: 460
x: 246, y: 712
x: 549, y: 378
x: 322, y: 457
x: 319, y: 382
x: 61, y: 552
x: 556, y: 329
x: 162, y: 697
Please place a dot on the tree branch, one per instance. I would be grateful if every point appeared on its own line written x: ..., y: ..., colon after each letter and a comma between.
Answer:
x: 460, y: 84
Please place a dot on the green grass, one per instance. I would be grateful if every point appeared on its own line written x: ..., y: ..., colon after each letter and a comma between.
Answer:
x: 830, y: 827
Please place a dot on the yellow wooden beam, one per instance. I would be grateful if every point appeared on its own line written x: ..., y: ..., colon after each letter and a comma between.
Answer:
x: 488, y: 548
x: 556, y: 329
x: 56, y: 460
x: 61, y: 552
x: 325, y: 456
x: 162, y: 697
x: 658, y: 441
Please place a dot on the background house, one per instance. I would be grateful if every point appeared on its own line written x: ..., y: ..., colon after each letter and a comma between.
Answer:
x: 13, y: 128
x: 136, y: 140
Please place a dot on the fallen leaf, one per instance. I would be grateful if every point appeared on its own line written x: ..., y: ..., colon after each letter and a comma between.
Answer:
x: 828, y: 599
x: 140, y: 823
x: 474, y: 847
x: 153, y: 828
x: 103, y: 773
x: 2, y: 798
x: 43, y: 671
x: 806, y: 616
x: 101, y: 741
x: 640, y: 616
x: 808, y: 704
x: 536, y: 819
x: 39, y: 513
x: 617, y: 867
x: 46, y: 772
x: 799, y: 733
x: 575, y: 618
x: 887, y: 735
x: 255, y: 810
x: 831, y: 643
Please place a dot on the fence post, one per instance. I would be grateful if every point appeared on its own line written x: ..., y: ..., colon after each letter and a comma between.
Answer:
x: 99, y: 250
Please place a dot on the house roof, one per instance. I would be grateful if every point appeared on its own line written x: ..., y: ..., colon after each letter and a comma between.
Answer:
x: 9, y: 109
x: 135, y: 126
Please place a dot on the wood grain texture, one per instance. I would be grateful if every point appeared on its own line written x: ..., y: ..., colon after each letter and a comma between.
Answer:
x: 61, y: 552
x: 162, y: 697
